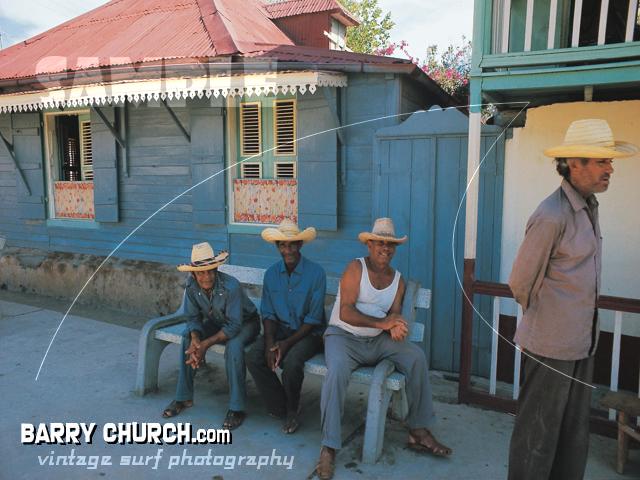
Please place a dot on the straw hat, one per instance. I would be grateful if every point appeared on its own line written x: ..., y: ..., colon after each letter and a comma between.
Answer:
x: 203, y: 258
x: 383, y: 230
x: 591, y: 138
x: 288, y: 231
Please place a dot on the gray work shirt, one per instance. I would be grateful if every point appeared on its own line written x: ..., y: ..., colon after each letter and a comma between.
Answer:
x: 556, y: 277
x: 227, y: 308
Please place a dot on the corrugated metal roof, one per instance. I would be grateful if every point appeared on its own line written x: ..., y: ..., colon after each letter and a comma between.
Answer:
x: 132, y: 31
x: 291, y: 8
x: 286, y: 53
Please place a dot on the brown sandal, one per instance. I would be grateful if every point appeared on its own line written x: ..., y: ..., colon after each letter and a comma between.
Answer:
x: 326, y: 465
x: 434, y: 447
x: 292, y: 423
x: 175, y: 407
x: 233, y: 419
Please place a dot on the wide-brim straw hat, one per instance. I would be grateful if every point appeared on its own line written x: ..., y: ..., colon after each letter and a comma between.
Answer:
x: 203, y: 258
x: 591, y: 138
x: 288, y: 231
x: 383, y: 230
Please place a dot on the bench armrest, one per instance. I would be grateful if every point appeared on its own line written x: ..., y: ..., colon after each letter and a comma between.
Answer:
x: 166, y: 320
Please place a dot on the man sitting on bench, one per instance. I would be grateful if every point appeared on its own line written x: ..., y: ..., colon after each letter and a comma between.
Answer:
x: 217, y: 311
x: 365, y: 328
x: 292, y: 309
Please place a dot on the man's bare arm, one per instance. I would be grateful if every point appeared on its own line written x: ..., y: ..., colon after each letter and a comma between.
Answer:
x: 349, y: 291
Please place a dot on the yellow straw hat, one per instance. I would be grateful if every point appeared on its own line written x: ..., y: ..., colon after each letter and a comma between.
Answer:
x: 288, y: 231
x: 203, y: 258
x: 591, y: 138
x: 383, y: 230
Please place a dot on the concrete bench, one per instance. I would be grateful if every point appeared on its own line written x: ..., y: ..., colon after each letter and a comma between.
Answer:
x: 386, y: 385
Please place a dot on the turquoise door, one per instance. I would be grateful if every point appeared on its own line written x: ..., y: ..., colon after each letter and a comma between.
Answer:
x: 420, y: 182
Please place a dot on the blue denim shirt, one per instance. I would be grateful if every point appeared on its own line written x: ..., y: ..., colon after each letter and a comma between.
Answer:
x: 227, y: 309
x: 296, y: 299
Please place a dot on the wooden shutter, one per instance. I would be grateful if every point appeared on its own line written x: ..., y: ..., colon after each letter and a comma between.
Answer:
x: 27, y: 145
x: 250, y: 129
x: 317, y: 165
x: 86, y: 151
x: 285, y: 169
x: 284, y: 129
x: 104, y: 156
x: 207, y: 159
x: 251, y: 169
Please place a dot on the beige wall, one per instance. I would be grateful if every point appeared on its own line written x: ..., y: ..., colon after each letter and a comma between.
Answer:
x: 530, y: 177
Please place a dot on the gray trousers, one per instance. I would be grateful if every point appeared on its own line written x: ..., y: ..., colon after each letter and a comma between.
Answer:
x: 234, y: 365
x: 550, y: 437
x: 345, y: 352
x: 281, y: 398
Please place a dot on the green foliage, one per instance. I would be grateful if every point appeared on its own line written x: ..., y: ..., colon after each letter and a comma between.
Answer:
x: 375, y: 26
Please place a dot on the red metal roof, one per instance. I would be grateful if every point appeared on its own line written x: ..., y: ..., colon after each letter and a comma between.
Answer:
x: 131, y: 31
x: 315, y: 55
x: 291, y: 8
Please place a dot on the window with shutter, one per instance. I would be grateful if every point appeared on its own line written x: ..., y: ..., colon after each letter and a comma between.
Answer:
x: 284, y: 127
x: 69, y: 150
x: 250, y: 129
x: 264, y: 191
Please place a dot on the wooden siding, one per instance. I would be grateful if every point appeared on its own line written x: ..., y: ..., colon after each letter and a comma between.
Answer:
x: 307, y: 29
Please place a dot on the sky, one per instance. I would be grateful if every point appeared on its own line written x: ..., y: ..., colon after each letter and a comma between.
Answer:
x: 419, y: 22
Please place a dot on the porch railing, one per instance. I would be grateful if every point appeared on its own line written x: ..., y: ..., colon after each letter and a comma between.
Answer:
x: 558, y: 21
x: 490, y: 397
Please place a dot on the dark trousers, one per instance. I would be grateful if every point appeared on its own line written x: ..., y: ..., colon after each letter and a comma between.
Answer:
x: 550, y: 437
x: 284, y: 397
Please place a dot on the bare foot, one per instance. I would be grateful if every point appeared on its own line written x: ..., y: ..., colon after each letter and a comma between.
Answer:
x: 422, y: 440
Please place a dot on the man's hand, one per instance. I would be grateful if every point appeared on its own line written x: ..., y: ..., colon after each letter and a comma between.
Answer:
x: 399, y: 332
x: 195, y: 353
x: 393, y: 320
x: 278, y: 350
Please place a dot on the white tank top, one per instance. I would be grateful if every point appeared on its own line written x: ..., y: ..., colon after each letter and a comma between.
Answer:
x: 371, y: 301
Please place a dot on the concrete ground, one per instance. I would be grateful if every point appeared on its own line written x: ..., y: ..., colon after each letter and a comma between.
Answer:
x: 89, y: 376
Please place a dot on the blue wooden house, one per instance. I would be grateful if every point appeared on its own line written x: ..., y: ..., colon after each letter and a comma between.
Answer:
x: 202, y: 120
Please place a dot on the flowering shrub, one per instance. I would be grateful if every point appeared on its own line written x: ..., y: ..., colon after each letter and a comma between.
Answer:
x: 450, y: 69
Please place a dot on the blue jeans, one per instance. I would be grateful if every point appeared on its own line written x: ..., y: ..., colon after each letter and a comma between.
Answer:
x: 234, y: 365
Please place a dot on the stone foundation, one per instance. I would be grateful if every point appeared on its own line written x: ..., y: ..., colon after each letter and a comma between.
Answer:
x: 137, y: 287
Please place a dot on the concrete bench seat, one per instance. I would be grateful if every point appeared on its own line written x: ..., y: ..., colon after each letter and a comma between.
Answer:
x: 386, y: 385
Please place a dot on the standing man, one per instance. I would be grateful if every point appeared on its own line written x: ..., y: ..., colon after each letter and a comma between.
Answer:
x: 556, y: 280
x: 292, y: 309
x: 366, y: 326
x: 217, y: 311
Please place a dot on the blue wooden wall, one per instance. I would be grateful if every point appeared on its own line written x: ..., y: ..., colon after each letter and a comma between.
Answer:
x: 160, y: 164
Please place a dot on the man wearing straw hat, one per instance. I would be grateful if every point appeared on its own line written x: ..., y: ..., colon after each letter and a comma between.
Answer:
x: 366, y: 327
x: 292, y: 309
x: 556, y: 280
x: 217, y: 311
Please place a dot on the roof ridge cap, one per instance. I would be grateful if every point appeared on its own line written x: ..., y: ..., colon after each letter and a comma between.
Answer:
x: 208, y: 10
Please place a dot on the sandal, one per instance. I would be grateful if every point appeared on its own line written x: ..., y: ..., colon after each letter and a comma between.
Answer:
x: 233, y: 419
x: 433, y: 447
x: 175, y: 407
x: 292, y: 423
x: 326, y: 464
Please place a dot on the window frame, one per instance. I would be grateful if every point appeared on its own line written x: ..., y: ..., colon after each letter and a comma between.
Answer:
x: 53, y: 162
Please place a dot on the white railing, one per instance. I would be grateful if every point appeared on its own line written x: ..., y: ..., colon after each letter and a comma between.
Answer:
x: 493, y: 376
x: 502, y: 21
